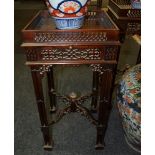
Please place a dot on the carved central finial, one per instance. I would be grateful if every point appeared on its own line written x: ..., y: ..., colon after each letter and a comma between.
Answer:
x: 73, y: 95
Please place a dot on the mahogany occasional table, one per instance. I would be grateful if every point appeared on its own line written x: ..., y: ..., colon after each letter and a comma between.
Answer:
x: 96, y: 44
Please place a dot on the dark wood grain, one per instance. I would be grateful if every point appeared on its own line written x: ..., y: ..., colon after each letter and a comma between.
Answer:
x: 41, y: 108
x: 50, y: 79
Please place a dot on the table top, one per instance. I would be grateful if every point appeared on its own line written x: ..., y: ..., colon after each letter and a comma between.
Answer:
x: 93, y: 20
x: 97, y: 27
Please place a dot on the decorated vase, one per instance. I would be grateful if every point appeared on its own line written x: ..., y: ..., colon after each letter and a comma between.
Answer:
x: 129, y: 105
x: 67, y: 14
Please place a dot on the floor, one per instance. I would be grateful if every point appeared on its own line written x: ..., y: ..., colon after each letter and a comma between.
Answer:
x: 73, y: 135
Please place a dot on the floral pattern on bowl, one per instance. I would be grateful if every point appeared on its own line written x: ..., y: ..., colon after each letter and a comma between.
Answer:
x: 67, y: 8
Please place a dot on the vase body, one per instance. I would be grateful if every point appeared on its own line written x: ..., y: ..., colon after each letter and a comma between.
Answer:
x: 129, y: 105
x: 67, y: 14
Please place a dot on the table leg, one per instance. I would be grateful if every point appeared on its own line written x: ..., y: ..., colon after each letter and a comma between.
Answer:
x: 37, y: 82
x: 104, y: 107
x: 122, y: 37
x: 95, y: 91
x: 52, y: 96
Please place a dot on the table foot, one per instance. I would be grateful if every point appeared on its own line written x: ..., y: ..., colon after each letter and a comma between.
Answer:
x: 53, y: 109
x: 99, y: 146
x: 48, y: 147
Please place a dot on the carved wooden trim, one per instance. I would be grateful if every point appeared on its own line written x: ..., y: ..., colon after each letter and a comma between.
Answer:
x: 110, y: 52
x: 31, y: 54
x: 79, y: 109
x: 71, y: 54
x: 85, y: 112
x: 134, y: 13
x: 74, y: 105
x: 102, y: 68
x: 70, y: 37
x: 133, y: 27
x: 41, y: 68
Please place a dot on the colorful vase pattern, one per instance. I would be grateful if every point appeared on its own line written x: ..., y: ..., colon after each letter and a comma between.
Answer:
x: 129, y: 105
x: 67, y: 8
x: 67, y: 14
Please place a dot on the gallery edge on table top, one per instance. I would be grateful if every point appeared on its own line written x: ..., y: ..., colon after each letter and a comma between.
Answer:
x: 95, y: 20
x: 98, y: 28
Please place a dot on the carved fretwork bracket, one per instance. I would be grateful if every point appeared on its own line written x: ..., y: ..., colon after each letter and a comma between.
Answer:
x: 74, y: 106
x: 102, y: 68
x: 42, y: 69
x: 95, y: 67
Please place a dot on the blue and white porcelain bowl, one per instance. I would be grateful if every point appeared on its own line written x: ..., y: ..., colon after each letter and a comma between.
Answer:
x: 69, y: 23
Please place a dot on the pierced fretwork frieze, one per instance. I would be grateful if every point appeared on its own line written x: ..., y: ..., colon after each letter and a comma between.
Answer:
x: 110, y: 53
x: 41, y: 68
x: 133, y: 28
x: 71, y: 54
x: 31, y: 55
x: 71, y: 37
x: 102, y: 68
x: 134, y: 13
